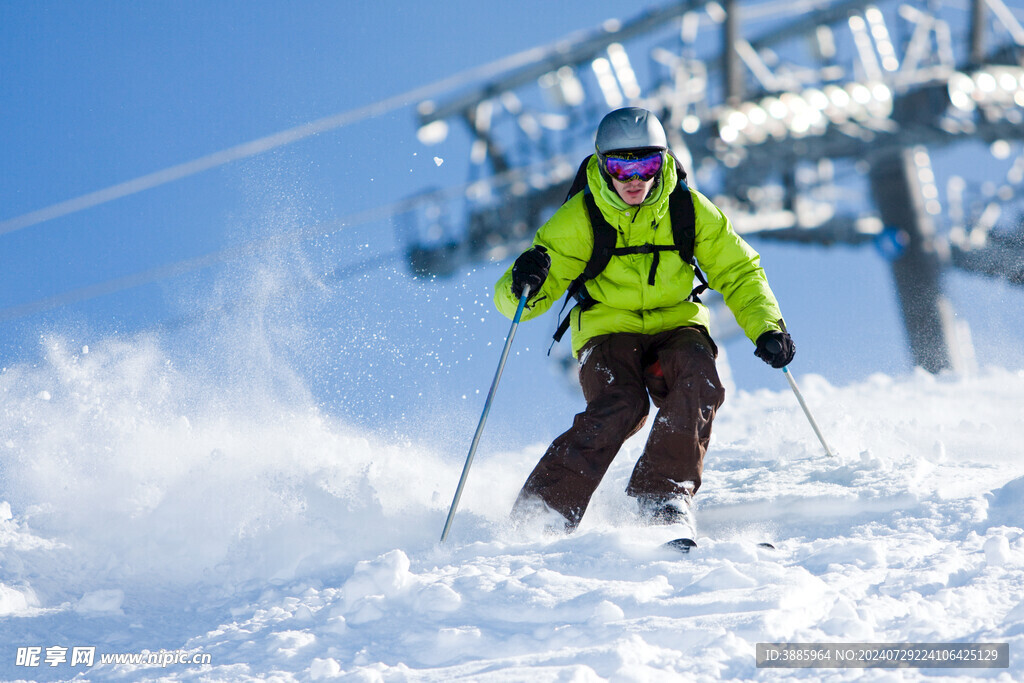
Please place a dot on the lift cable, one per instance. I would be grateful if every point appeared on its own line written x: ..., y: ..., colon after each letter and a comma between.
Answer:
x: 269, y: 142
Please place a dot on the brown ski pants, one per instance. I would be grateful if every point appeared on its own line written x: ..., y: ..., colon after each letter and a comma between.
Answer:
x: 617, y: 373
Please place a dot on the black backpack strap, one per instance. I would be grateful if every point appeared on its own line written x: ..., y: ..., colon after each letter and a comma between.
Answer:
x: 684, y: 222
x: 701, y: 288
x: 684, y: 232
x: 605, y: 237
x: 563, y: 325
x: 579, y: 183
x: 680, y: 171
x: 655, y: 249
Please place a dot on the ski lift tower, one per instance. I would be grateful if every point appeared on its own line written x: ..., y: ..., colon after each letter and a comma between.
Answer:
x: 792, y: 117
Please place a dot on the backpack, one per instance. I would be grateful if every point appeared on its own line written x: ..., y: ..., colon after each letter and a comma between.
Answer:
x: 680, y: 209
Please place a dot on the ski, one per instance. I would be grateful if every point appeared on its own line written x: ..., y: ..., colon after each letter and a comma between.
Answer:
x: 684, y: 545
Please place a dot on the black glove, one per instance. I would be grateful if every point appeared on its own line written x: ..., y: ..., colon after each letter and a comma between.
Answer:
x: 775, y: 348
x: 531, y: 268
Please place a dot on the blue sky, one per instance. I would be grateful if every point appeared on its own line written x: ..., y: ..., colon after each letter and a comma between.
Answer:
x: 94, y: 94
x: 99, y: 93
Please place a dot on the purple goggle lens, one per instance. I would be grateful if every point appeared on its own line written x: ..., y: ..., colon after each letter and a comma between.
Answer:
x: 624, y: 169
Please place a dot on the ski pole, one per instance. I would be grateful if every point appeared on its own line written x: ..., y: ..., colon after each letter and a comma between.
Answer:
x: 807, y: 412
x: 487, y: 409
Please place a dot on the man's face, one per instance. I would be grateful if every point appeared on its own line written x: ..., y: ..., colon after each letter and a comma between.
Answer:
x: 634, y: 191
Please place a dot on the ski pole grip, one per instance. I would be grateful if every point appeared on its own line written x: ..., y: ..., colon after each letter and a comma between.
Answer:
x: 773, y: 346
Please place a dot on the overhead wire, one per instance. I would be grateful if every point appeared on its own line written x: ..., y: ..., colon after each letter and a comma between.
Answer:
x: 264, y: 144
x: 264, y: 245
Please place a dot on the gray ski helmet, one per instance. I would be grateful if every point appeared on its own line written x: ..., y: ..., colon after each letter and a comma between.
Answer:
x: 629, y: 128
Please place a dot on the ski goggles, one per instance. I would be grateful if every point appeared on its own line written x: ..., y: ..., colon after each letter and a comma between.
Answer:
x: 624, y: 169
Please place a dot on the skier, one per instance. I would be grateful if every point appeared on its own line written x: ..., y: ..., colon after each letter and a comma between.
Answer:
x: 640, y: 332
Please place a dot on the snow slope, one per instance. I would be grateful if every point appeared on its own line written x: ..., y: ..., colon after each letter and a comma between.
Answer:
x: 149, y: 506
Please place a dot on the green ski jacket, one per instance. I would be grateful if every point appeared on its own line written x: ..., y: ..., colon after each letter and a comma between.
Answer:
x: 625, y: 300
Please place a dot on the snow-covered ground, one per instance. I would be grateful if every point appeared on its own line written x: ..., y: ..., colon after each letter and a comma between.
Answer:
x: 148, y: 506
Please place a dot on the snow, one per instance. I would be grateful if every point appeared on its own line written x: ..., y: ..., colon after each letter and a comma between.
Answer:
x: 148, y: 505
